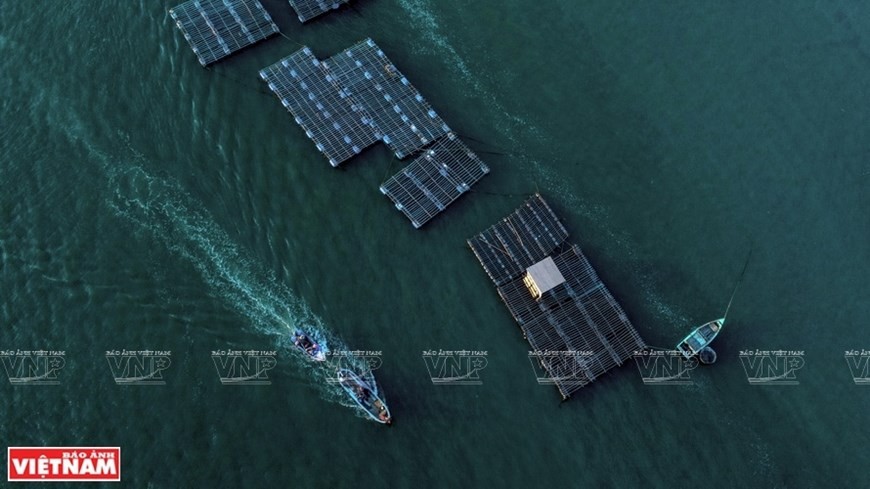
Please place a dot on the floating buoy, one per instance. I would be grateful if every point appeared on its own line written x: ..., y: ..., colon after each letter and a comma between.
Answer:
x: 707, y: 356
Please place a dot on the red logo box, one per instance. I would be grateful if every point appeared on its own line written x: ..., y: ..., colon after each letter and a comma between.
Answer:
x: 50, y: 464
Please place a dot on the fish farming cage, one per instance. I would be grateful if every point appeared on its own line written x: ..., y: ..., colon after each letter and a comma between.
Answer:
x: 398, y: 111
x: 309, y: 9
x: 334, y: 98
x: 216, y: 29
x: 518, y: 241
x: 339, y: 127
x: 434, y: 180
x: 356, y: 98
x: 577, y: 315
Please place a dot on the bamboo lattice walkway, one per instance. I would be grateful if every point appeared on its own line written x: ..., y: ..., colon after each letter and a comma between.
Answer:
x: 309, y: 9
x: 579, y: 315
x: 434, y: 180
x: 519, y: 241
x: 216, y: 29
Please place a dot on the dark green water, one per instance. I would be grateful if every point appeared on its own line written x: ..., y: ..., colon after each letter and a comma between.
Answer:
x: 147, y: 203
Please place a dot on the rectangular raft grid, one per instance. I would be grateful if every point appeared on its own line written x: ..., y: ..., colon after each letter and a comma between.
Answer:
x: 217, y: 28
x: 403, y: 117
x: 309, y: 9
x: 434, y: 180
x: 339, y: 127
x: 518, y: 241
x: 357, y: 97
x: 579, y: 315
x: 334, y: 99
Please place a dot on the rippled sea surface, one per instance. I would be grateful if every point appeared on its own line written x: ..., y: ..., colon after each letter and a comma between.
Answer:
x: 147, y: 203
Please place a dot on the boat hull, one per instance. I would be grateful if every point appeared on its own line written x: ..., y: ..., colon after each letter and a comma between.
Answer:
x: 700, y: 338
x: 364, y: 396
x: 309, y: 347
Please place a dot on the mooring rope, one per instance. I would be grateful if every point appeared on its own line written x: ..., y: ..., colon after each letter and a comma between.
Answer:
x: 739, y: 280
x: 285, y: 36
x: 501, y: 194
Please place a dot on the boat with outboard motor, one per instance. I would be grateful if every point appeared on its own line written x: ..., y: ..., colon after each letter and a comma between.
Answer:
x: 365, y: 395
x: 309, y: 346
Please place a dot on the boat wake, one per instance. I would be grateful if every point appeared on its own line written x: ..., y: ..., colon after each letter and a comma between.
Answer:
x: 159, y: 208
x: 162, y: 209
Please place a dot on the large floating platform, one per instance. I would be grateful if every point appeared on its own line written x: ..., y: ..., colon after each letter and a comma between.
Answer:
x: 309, y: 9
x: 356, y: 98
x: 445, y: 171
x: 216, y: 29
x: 519, y: 241
x: 332, y: 99
x: 398, y: 111
x: 338, y: 127
x: 556, y: 297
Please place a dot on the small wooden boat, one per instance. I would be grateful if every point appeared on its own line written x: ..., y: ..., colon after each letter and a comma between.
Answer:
x: 365, y: 396
x: 698, y: 341
x: 700, y: 338
x: 309, y: 346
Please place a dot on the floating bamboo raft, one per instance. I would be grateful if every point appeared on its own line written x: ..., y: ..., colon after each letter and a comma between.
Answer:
x: 339, y: 127
x: 216, y: 29
x: 360, y: 83
x: 403, y: 117
x: 434, y: 180
x: 519, y: 241
x: 309, y: 9
x: 357, y: 98
x: 580, y: 315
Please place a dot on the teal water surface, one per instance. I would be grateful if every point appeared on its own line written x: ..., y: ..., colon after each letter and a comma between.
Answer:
x: 148, y: 203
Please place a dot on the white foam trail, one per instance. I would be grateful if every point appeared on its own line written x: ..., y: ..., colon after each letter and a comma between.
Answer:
x: 161, y: 208
x: 508, y: 124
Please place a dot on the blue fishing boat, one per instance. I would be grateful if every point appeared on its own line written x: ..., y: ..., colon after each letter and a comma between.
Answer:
x: 700, y: 338
x: 698, y: 341
x: 309, y: 346
x: 365, y: 395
